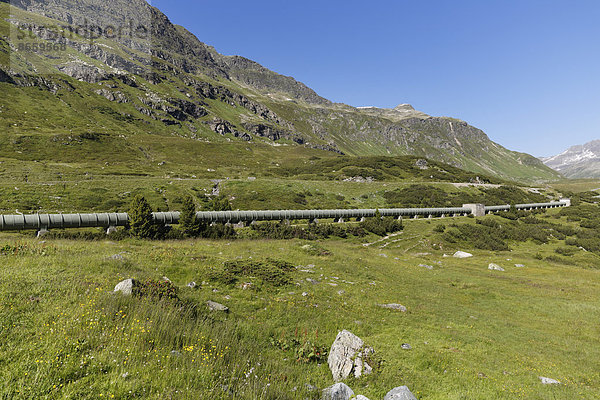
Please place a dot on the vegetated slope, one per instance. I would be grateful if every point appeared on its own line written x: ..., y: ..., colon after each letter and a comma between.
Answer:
x: 581, y: 161
x: 171, y: 84
x: 473, y: 332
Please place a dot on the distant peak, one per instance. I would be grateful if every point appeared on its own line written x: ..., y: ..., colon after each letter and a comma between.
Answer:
x: 404, y: 107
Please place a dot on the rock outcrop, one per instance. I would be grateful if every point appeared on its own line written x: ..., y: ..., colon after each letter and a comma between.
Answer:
x: 339, y: 391
x: 128, y: 287
x: 400, y: 393
x: 348, y: 355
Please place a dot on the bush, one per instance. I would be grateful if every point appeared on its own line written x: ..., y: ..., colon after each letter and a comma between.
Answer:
x: 279, y: 230
x: 381, y: 226
x: 305, y: 350
x: 273, y: 272
x: 158, y: 290
x: 565, y: 251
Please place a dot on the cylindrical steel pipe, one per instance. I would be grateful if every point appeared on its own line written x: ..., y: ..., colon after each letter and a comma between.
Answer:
x: 105, y: 220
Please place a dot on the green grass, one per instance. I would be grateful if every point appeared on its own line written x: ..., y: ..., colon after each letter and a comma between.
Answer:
x: 475, y: 333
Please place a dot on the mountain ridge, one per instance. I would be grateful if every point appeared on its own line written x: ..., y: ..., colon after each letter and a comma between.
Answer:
x: 579, y: 161
x: 176, y: 84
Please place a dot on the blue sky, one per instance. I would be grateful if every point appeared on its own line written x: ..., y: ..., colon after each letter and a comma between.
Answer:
x: 526, y: 72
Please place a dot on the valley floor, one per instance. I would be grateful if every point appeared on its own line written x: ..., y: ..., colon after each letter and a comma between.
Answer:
x: 475, y: 333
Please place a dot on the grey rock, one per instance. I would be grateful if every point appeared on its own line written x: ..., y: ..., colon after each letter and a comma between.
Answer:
x: 361, y: 397
x: 495, y: 267
x: 313, y: 281
x: 519, y: 265
x: 128, y: 286
x: 462, y: 254
x: 311, y: 388
x: 192, y: 285
x: 400, y: 393
x: 346, y: 356
x: 394, y: 306
x: 406, y: 346
x: 549, y: 381
x: 426, y: 266
x: 117, y: 257
x: 339, y: 391
x: 214, y: 306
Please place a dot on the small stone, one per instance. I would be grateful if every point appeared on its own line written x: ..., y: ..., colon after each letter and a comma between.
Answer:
x: 117, y: 257
x: 406, y: 346
x: 192, y: 285
x: 462, y: 254
x: 304, y: 294
x: 310, y: 387
x: 495, y: 267
x: 332, y: 283
x: 246, y: 285
x: 549, y: 381
x: 339, y: 391
x: 227, y: 297
x: 214, y: 306
x: 215, y: 290
x: 127, y: 287
x: 394, y: 306
x: 400, y: 393
x: 361, y: 397
x: 341, y: 292
x: 313, y: 281
x: 519, y: 265
x: 426, y: 266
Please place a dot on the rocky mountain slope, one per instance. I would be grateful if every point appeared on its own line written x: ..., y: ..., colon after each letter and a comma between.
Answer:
x: 120, y: 71
x: 581, y: 161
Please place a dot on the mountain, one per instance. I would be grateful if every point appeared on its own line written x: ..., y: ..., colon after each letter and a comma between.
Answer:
x: 120, y: 78
x: 581, y: 161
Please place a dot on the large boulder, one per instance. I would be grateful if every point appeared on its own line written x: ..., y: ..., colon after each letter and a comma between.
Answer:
x: 400, y: 393
x: 128, y: 286
x: 339, y: 391
x: 347, y: 356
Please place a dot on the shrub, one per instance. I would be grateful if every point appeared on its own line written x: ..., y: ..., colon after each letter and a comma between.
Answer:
x: 381, y: 226
x: 158, y: 290
x: 565, y: 251
x: 270, y: 271
x: 305, y: 350
x: 441, y: 228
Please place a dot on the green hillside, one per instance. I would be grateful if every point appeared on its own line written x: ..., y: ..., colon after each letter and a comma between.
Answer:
x: 100, y: 102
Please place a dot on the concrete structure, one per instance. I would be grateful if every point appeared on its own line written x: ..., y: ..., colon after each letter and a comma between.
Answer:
x: 478, y: 210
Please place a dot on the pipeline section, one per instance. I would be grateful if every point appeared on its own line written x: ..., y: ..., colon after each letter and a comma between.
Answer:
x: 112, y: 220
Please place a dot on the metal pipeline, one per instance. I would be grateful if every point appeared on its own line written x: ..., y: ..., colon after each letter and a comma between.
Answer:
x: 108, y: 220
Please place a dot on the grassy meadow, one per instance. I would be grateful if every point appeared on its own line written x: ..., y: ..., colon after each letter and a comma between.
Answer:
x: 475, y: 333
